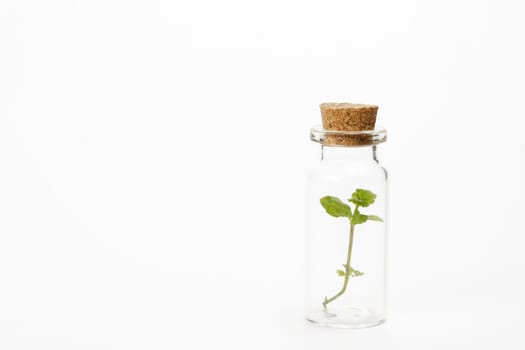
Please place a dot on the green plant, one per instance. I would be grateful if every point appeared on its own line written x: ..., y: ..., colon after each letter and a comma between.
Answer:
x: 337, y: 208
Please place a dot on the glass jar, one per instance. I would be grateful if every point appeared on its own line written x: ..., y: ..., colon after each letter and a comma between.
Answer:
x: 346, y: 244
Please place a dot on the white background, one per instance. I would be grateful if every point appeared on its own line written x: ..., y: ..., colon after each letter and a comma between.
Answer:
x: 153, y: 162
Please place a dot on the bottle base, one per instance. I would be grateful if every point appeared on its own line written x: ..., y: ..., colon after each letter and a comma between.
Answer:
x: 350, y: 317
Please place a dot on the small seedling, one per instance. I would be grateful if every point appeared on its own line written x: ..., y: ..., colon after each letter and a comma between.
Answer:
x: 337, y: 208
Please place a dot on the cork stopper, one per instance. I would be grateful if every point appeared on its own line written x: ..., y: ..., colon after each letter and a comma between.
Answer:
x: 349, y: 117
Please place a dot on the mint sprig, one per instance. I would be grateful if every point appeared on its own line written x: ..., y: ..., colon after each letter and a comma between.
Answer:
x: 337, y: 208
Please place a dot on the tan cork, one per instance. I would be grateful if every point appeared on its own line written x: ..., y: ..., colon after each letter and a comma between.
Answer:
x: 348, y: 117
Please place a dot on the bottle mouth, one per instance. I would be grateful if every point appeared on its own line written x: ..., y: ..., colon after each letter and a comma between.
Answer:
x: 347, y: 138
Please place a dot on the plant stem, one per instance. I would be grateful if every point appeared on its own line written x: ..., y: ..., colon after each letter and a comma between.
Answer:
x: 347, y: 268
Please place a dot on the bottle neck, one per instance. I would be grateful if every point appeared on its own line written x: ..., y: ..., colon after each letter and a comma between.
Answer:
x: 353, y: 154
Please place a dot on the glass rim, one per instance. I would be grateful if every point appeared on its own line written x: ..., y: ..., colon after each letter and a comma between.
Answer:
x: 372, y: 137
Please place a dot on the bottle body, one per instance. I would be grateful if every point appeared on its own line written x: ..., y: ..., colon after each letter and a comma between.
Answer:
x: 346, y: 238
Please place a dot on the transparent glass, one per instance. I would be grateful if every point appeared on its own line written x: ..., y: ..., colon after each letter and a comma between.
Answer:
x: 346, y: 249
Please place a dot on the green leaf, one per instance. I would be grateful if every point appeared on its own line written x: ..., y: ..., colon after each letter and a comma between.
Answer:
x: 374, y: 218
x: 356, y: 273
x: 351, y: 271
x: 362, y: 198
x: 358, y: 218
x: 335, y: 207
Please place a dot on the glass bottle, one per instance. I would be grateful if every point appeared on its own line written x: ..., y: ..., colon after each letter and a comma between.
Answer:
x: 346, y: 248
